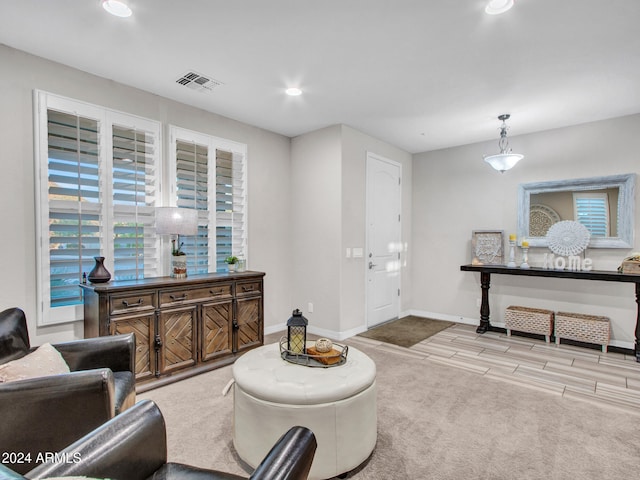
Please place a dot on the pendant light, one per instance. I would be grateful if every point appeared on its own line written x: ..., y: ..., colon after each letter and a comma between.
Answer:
x: 504, y: 160
x: 119, y: 8
x: 496, y: 7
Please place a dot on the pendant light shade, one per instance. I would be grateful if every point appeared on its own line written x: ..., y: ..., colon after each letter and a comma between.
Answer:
x: 119, y: 8
x: 496, y: 7
x: 504, y: 160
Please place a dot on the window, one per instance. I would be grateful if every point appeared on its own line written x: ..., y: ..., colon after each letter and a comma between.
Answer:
x: 192, y: 191
x: 134, y: 199
x: 98, y: 174
x: 210, y: 176
x: 592, y: 211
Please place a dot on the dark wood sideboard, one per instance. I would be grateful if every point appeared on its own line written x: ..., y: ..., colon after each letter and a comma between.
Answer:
x: 599, y: 275
x: 182, y: 326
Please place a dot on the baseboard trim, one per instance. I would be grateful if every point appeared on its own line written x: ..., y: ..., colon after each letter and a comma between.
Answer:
x: 322, y: 332
x: 447, y: 317
x: 418, y: 313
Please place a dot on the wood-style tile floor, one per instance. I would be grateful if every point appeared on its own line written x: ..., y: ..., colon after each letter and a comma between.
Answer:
x: 575, y: 373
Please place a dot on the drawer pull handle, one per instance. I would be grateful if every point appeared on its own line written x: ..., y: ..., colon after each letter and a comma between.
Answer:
x: 174, y: 298
x: 129, y: 305
x: 247, y: 289
x: 216, y: 292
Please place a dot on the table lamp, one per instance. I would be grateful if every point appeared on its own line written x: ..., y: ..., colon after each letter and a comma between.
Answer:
x: 177, y: 221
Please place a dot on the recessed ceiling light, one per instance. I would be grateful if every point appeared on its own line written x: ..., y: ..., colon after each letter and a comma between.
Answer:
x: 496, y: 7
x: 293, y: 91
x: 117, y: 8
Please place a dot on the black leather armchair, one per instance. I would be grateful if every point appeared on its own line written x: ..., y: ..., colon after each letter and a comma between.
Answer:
x: 133, y: 446
x: 48, y: 413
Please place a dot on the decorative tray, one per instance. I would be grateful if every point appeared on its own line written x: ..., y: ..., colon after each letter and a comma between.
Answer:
x: 334, y: 358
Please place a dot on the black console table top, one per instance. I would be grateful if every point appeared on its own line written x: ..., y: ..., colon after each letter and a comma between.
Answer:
x: 600, y: 275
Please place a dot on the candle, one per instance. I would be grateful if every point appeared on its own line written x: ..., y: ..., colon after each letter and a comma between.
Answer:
x: 296, y: 345
x: 525, y: 244
x: 512, y: 237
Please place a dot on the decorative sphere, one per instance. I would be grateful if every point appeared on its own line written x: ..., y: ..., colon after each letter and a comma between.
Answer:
x: 323, y: 345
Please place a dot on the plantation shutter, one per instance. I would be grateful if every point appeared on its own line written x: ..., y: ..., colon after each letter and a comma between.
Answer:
x: 134, y: 192
x: 192, y: 190
x: 210, y: 176
x: 75, y: 202
x: 230, y: 206
x: 238, y: 205
x: 97, y: 188
x: 592, y: 211
x: 224, y: 207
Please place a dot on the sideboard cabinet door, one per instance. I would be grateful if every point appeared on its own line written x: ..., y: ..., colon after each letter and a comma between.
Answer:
x: 143, y: 327
x: 249, y: 318
x: 177, y: 330
x: 216, y: 333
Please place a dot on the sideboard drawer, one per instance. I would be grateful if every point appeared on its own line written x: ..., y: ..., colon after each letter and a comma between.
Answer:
x: 135, y: 302
x: 182, y: 296
x: 248, y: 288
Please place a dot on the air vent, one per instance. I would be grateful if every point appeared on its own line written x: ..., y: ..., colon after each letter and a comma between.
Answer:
x: 198, y: 82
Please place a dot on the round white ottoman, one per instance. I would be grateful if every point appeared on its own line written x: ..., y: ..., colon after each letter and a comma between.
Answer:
x: 337, y: 403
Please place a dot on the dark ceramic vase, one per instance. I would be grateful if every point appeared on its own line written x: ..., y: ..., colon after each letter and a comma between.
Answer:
x: 99, y: 274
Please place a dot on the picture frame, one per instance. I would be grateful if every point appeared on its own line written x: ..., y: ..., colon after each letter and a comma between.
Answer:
x: 487, y: 247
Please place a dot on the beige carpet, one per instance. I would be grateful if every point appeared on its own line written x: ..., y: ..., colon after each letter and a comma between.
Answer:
x: 434, y: 422
x: 406, y: 331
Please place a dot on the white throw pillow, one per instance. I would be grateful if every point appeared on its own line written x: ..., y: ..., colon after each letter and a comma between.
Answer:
x: 43, y: 362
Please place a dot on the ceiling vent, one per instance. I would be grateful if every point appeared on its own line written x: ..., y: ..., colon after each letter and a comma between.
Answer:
x: 198, y: 82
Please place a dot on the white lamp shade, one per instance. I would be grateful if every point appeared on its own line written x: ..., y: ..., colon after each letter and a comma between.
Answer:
x: 503, y: 161
x: 117, y: 7
x: 496, y: 7
x: 176, y: 221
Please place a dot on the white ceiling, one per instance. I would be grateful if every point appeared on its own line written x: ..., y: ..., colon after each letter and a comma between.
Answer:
x: 419, y: 74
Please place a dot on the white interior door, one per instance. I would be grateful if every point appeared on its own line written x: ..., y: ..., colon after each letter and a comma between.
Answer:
x: 383, y: 239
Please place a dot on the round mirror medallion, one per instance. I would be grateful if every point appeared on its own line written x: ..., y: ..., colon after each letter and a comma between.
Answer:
x: 568, y: 238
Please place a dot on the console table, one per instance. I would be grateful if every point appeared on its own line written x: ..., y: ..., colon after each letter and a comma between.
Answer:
x: 600, y: 275
x: 182, y: 326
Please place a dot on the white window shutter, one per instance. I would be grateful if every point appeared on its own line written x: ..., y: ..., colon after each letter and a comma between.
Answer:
x: 210, y: 175
x: 98, y: 174
x: 134, y: 194
x: 592, y: 211
x: 192, y: 191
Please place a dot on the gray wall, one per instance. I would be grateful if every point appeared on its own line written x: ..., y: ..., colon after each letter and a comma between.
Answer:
x: 315, y: 226
x: 329, y: 202
x: 306, y: 205
x: 455, y: 192
x: 269, y: 180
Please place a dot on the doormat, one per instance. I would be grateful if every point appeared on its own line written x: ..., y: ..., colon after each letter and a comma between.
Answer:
x: 406, y: 331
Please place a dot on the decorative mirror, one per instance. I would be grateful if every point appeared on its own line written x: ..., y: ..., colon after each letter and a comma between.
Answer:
x: 605, y: 205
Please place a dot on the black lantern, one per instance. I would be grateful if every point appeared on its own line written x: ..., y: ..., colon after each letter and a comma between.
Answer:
x: 297, y: 333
